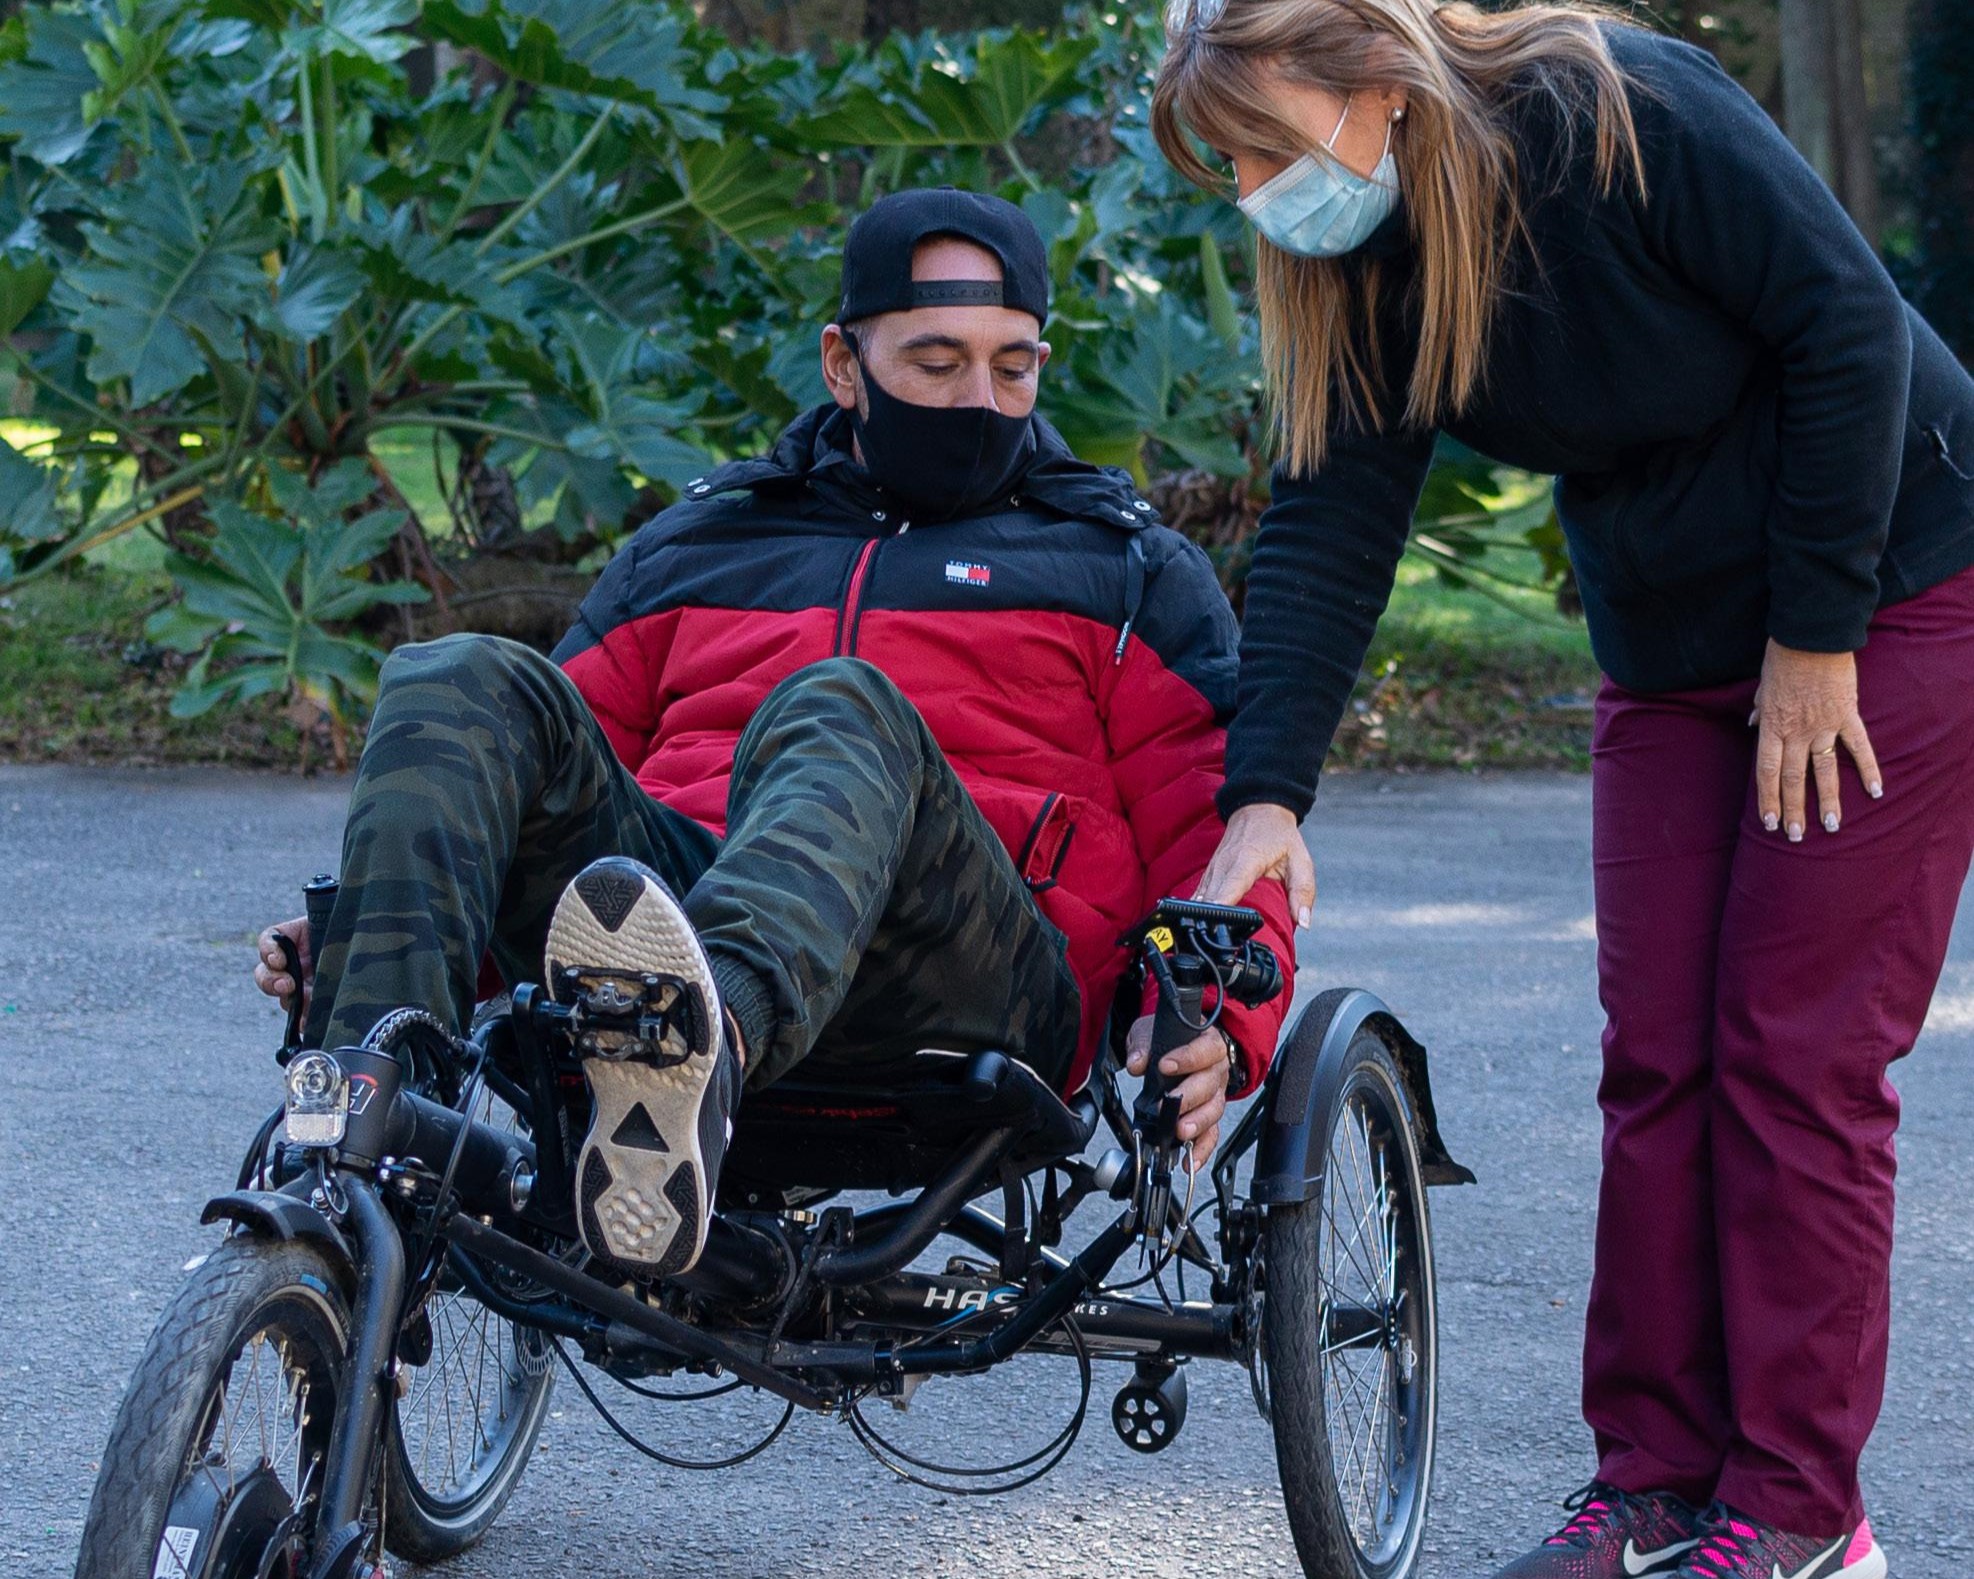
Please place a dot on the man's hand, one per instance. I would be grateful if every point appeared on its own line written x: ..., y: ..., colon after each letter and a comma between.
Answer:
x: 1206, y: 1065
x: 271, y: 972
x: 1807, y: 706
x: 1261, y: 841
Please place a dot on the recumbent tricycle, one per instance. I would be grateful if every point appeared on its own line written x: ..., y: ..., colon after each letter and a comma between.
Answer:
x: 364, y: 1362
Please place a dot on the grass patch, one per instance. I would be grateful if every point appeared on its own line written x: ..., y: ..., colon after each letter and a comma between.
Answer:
x: 1456, y: 680
x: 79, y: 683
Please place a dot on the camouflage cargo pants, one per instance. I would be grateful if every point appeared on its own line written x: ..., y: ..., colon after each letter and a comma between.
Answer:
x: 859, y: 908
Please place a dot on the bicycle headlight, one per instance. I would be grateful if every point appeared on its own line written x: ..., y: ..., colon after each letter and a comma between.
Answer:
x: 318, y: 1100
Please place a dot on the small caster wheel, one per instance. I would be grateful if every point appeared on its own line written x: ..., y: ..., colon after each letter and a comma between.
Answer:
x: 1150, y: 1408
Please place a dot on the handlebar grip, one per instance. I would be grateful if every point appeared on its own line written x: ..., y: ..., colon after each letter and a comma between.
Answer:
x: 318, y: 904
x: 1173, y: 1025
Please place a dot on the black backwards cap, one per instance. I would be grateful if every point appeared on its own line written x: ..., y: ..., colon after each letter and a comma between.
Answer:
x: 877, y: 257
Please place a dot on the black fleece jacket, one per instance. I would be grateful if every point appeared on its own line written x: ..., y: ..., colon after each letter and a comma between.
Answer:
x: 1753, y: 435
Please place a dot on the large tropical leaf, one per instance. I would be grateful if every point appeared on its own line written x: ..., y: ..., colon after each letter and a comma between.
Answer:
x: 984, y: 104
x: 624, y: 423
x: 411, y: 264
x: 585, y: 493
x: 370, y: 30
x: 630, y: 50
x: 1160, y: 375
x: 366, y: 29
x: 172, y: 253
x: 742, y: 191
x: 42, y: 93
x: 23, y: 287
x: 261, y: 604
x: 317, y: 285
x: 27, y: 498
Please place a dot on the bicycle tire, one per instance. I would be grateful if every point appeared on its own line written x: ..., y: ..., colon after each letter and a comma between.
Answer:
x: 173, y: 1439
x: 1355, y: 1411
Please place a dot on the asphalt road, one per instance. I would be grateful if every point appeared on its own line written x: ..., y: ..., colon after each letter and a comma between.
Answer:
x: 133, y: 1064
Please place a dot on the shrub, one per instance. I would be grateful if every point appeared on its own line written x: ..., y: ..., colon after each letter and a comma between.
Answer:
x: 575, y: 247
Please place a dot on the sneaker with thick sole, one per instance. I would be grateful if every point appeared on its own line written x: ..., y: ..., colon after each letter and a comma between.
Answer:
x: 663, y: 1079
x: 1733, y: 1545
x: 1614, y: 1534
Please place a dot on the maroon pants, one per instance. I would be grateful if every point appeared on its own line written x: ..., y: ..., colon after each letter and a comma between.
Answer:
x: 1756, y: 992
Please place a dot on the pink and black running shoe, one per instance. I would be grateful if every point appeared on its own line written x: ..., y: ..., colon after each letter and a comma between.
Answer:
x: 1614, y: 1535
x: 1732, y: 1546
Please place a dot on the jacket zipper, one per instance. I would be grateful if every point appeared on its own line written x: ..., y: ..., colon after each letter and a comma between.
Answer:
x: 845, y: 643
x: 1035, y: 831
x: 852, y: 610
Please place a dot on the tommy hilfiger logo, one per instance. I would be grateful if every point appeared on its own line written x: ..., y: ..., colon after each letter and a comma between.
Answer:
x: 963, y: 573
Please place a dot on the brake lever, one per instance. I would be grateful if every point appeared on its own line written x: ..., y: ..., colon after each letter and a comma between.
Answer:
x: 291, y: 962
x: 1155, y: 1114
x: 318, y: 903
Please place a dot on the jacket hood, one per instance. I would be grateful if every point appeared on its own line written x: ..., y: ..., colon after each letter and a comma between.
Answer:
x: 814, y: 451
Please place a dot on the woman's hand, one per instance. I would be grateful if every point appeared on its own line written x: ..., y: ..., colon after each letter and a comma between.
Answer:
x: 1198, y: 1073
x: 1806, y: 707
x: 1261, y: 841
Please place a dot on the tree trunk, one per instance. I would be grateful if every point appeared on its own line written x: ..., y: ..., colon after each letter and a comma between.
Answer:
x: 1942, y: 120
x: 1823, y: 101
x: 1807, y: 34
x: 1854, y: 150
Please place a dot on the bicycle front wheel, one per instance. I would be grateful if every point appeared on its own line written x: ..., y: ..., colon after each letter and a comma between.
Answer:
x: 214, y: 1465
x: 1350, y: 1335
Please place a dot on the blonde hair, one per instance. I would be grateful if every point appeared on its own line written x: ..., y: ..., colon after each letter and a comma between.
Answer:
x: 1461, y: 70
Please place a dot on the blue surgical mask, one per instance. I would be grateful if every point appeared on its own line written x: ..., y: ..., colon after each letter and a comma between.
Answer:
x: 1320, y: 208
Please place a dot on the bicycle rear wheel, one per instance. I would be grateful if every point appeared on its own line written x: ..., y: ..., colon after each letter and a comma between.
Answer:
x: 1350, y: 1335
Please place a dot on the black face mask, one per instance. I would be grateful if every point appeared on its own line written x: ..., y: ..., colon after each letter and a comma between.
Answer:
x: 939, y: 461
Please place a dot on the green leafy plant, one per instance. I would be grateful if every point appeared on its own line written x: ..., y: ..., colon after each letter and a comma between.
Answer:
x: 263, y: 606
x: 252, y: 252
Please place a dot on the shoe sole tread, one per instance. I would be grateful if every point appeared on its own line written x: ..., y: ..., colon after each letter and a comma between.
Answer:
x: 642, y: 1207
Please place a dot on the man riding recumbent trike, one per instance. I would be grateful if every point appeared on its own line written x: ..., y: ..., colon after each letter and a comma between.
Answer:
x: 799, y: 809
x: 250, y: 1443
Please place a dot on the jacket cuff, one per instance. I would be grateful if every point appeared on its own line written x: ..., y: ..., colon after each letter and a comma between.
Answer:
x: 1236, y: 793
x: 1249, y: 1071
x: 1821, y: 600
x: 1819, y: 632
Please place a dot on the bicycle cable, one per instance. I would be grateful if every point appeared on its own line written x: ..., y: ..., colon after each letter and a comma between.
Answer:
x: 1168, y: 1253
x: 646, y: 1448
x: 1043, y: 1460
x: 675, y: 1398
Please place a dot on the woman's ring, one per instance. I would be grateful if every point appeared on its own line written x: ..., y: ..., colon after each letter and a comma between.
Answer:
x: 1827, y: 751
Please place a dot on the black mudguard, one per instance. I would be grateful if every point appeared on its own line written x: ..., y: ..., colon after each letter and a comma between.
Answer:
x: 274, y: 1214
x: 1302, y: 1088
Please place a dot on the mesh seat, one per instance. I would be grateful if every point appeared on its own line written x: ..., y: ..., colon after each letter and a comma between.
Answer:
x: 817, y: 1129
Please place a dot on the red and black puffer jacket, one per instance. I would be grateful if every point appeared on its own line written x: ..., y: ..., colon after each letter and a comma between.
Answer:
x: 1074, y: 658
